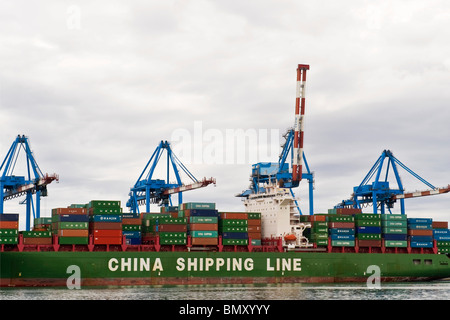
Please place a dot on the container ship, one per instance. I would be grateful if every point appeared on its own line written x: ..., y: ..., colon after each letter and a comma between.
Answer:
x: 195, y: 243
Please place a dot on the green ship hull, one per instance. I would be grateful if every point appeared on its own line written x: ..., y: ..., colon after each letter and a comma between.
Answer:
x: 196, y: 268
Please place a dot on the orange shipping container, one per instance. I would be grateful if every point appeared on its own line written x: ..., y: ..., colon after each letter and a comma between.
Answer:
x: 254, y: 229
x: 205, y: 241
x: 254, y: 222
x: 419, y: 232
x: 234, y: 215
x: 254, y: 235
x: 105, y: 225
x: 42, y: 241
x: 73, y: 233
x: 131, y: 221
x: 440, y: 224
x: 9, y: 224
x: 203, y: 226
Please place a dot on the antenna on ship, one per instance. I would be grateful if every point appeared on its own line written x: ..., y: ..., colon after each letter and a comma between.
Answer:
x: 34, y: 182
x: 279, y: 172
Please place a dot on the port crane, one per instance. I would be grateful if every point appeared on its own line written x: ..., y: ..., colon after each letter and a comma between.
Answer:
x: 379, y: 194
x: 279, y: 172
x: 35, y: 182
x: 148, y: 190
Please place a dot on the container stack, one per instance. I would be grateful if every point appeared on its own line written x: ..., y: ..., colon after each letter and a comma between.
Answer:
x: 368, y: 229
x: 420, y: 232
x: 318, y: 233
x: 131, y: 228
x: 149, y: 221
x: 71, y: 225
x: 105, y: 218
x: 233, y: 227
x: 37, y: 237
x: 197, y: 214
x: 254, y: 228
x: 394, y: 230
x: 42, y: 224
x: 441, y: 234
x: 9, y: 228
x: 171, y: 230
x: 342, y: 230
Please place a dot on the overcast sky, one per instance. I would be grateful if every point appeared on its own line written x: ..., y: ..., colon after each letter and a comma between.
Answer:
x: 96, y: 85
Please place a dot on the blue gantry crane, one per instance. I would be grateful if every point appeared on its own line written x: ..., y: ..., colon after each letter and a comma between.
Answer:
x: 35, y: 182
x: 379, y: 193
x: 148, y: 190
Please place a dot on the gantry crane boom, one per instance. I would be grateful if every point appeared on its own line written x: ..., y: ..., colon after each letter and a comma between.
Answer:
x: 147, y: 190
x: 35, y: 182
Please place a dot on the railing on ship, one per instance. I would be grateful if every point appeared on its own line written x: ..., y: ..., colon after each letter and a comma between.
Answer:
x: 153, y: 244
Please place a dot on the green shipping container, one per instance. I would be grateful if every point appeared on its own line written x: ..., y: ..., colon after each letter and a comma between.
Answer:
x: 172, y: 235
x: 72, y: 225
x: 321, y: 242
x: 204, y: 234
x: 198, y: 219
x: 173, y: 241
x: 131, y: 227
x: 394, y: 230
x: 369, y: 236
x: 395, y: 243
x: 394, y: 217
x: 197, y: 205
x: 339, y: 218
x: 368, y: 216
x: 167, y: 220
x: 233, y: 222
x: 342, y: 243
x: 394, y: 223
x: 103, y: 204
x: 368, y: 223
x: 253, y: 215
x: 238, y: 242
x: 9, y: 240
x: 8, y: 232
x: 105, y: 210
x: 36, y: 234
x: 234, y: 229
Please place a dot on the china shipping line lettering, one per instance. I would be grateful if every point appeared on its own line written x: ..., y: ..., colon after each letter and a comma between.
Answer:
x: 203, y: 264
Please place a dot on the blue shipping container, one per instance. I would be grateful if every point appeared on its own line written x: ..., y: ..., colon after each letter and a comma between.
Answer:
x: 420, y: 226
x: 9, y: 217
x: 342, y: 237
x: 105, y: 218
x: 417, y: 244
x: 235, y: 235
x: 369, y: 229
x: 421, y: 238
x: 420, y: 220
x: 395, y: 236
x: 73, y: 218
x: 341, y: 231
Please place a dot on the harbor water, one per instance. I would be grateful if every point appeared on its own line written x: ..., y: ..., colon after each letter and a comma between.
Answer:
x: 439, y: 290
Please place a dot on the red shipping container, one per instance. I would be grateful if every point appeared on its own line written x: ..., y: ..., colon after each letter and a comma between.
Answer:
x: 369, y: 243
x: 254, y: 229
x: 107, y: 240
x: 9, y: 225
x: 105, y: 225
x: 254, y: 235
x: 345, y: 225
x: 318, y: 218
x: 107, y: 233
x: 69, y: 211
x: 172, y: 227
x: 131, y: 221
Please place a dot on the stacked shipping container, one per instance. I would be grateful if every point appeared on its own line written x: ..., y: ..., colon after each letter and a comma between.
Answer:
x: 105, y: 218
x: 441, y: 234
x: 368, y: 229
x: 9, y: 228
x: 342, y: 230
x: 233, y: 227
x: 394, y: 230
x: 71, y: 225
x: 131, y: 228
x: 420, y: 232
x: 203, y: 222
